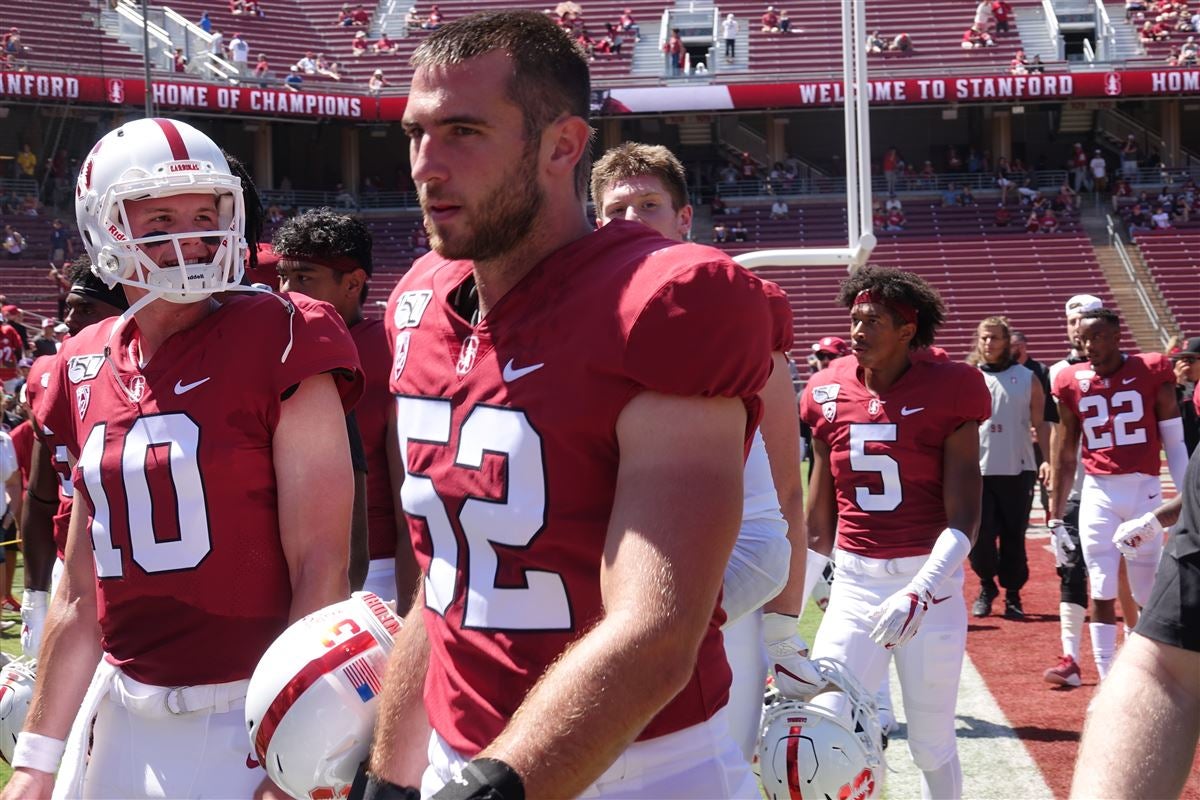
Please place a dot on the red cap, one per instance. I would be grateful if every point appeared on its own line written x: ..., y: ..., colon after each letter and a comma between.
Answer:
x: 9, y: 309
x: 831, y: 344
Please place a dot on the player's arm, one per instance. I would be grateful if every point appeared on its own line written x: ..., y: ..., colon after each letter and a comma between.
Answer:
x: 1170, y: 430
x: 781, y: 434
x: 360, y: 552
x: 1162, y: 683
x: 1064, y: 454
x: 408, y: 574
x: 37, y: 519
x: 16, y: 498
x: 821, y: 519
x: 70, y: 651
x: 1041, y: 428
x: 962, y: 486
x: 678, y: 486
x: 310, y: 449
x: 398, y: 753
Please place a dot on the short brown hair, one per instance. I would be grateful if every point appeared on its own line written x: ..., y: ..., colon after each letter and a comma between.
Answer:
x: 550, y: 72
x: 633, y: 159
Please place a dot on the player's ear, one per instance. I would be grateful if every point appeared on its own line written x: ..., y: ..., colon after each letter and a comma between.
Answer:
x: 568, y: 140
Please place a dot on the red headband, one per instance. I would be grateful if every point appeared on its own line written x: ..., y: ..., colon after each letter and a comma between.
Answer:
x: 897, y: 307
x: 343, y: 264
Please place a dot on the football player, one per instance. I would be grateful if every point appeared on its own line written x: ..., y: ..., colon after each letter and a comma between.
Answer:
x: 327, y: 256
x: 896, y: 478
x: 1119, y: 411
x: 199, y: 431
x: 573, y: 407
x: 47, y: 510
x: 647, y: 184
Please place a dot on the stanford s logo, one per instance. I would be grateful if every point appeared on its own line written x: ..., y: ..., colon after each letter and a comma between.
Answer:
x: 411, y: 307
x: 861, y: 788
x: 116, y: 91
x: 466, y: 356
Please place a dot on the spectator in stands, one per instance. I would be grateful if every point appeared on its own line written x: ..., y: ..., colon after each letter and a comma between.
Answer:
x: 927, y: 177
x: 1189, y: 51
x: 31, y: 206
x: 26, y: 162
x: 976, y: 38
x: 1002, y: 218
x: 1121, y: 191
x: 330, y: 69
x: 950, y: 196
x: 360, y: 17
x: 358, y: 45
x: 1139, y: 220
x: 966, y: 197
x: 890, y: 163
x: 1048, y: 222
x: 729, y: 174
x: 895, y: 221
x: 875, y: 42
x: 13, y: 243
x: 11, y: 43
x: 1134, y: 8
x: 673, y: 52
x: 1078, y: 164
x: 294, y: 82
x: 345, y: 16
x: 239, y: 53
x: 1129, y: 157
x: 376, y: 83
x: 1195, y: 20
x: 9, y: 202
x: 308, y: 64
x: 179, y: 60
x: 983, y: 15
x: 738, y: 229
x: 893, y: 203
x: 627, y: 24
x: 1067, y: 198
x: 770, y: 20
x: 62, y: 285
x: 205, y: 24
x: 902, y: 43
x: 878, y: 217
x: 216, y: 45
x: 60, y: 238
x: 1003, y: 179
x: 615, y: 39
x: 1002, y: 12
x: 419, y: 242
x: 720, y: 232
x: 262, y: 69
x: 785, y: 22
x: 779, y: 209
x: 343, y: 198
x: 434, y: 20
x: 383, y: 45
x: 1032, y: 224
x: 1184, y: 23
x: 1018, y: 66
x: 1152, y: 32
x: 1099, y: 168
x: 1036, y: 67
x: 412, y: 20
x: 1026, y: 192
x: 1160, y: 219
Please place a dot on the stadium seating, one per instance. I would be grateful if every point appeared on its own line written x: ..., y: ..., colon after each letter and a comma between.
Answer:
x: 1173, y: 257
x: 62, y: 35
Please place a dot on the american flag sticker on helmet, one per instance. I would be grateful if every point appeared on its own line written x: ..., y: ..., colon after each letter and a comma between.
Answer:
x: 363, y: 678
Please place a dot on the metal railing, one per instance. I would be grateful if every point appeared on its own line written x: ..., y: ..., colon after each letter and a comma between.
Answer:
x: 1089, y: 53
x: 1106, y: 34
x: 1114, y: 239
x: 1053, y: 29
x: 300, y: 199
x: 1045, y: 181
x: 185, y: 34
x: 129, y: 31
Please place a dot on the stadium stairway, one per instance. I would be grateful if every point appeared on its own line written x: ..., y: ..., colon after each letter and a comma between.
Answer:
x: 1172, y: 257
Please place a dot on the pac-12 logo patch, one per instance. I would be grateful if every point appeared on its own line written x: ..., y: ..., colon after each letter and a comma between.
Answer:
x: 411, y: 307
x: 401, y: 354
x: 829, y: 410
x: 83, y: 397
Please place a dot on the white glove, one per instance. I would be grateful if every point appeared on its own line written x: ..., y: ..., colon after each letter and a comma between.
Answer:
x: 795, y: 675
x: 1060, y: 542
x: 898, y: 617
x: 1132, y: 536
x: 33, y: 620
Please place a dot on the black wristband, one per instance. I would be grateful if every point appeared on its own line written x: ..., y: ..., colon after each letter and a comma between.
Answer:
x: 367, y: 787
x: 484, y: 779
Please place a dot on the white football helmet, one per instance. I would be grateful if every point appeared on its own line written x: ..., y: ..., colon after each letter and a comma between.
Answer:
x: 16, y: 692
x: 806, y: 750
x: 159, y: 158
x: 312, y: 700
x: 823, y: 586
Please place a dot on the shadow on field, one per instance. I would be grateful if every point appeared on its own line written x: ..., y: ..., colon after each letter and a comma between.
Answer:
x: 983, y: 729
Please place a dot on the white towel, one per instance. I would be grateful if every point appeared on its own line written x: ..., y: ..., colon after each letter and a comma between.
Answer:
x: 69, y: 784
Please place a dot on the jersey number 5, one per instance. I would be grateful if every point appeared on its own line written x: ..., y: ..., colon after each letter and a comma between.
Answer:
x: 512, y: 518
x: 883, y: 465
x: 150, y: 551
x: 1120, y: 434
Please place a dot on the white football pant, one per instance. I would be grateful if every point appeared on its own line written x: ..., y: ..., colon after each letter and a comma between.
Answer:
x: 697, y: 762
x: 1106, y: 502
x: 747, y: 656
x: 381, y: 579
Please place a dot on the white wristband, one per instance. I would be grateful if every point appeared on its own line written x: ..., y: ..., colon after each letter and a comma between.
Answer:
x: 34, y: 751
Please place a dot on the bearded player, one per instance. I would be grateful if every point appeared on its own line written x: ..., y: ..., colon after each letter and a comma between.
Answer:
x: 573, y: 407
x: 199, y: 431
x: 1119, y: 411
x: 647, y: 184
x: 896, y: 478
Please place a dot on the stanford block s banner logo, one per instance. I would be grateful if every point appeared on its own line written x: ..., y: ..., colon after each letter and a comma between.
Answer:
x: 116, y: 91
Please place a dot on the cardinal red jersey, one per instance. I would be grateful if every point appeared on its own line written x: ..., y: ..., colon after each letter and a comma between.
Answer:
x: 22, y: 439
x: 1116, y: 413
x: 11, y: 350
x: 509, y: 430
x: 886, y: 452
x: 783, y: 332
x: 35, y: 390
x: 372, y: 415
x: 174, y: 460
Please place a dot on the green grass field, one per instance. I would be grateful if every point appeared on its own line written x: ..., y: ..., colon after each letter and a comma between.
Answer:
x: 10, y: 643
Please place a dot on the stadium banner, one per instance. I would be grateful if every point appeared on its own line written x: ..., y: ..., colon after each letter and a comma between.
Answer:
x: 247, y: 99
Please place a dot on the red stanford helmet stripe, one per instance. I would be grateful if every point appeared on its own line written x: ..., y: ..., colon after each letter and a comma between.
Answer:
x: 793, y: 763
x: 306, y: 677
x: 179, y: 150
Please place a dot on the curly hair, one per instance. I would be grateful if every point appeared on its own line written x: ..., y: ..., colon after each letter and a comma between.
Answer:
x: 253, y: 204
x: 1106, y: 314
x: 322, y: 233
x: 897, y: 286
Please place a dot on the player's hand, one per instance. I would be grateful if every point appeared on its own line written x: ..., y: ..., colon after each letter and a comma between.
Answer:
x: 33, y: 620
x: 898, y: 617
x: 267, y: 790
x: 795, y: 675
x: 1060, y: 542
x: 26, y: 783
x: 1138, y: 534
x: 1043, y: 475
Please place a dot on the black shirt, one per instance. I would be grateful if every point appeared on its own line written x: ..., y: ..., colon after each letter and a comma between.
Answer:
x: 1185, y: 535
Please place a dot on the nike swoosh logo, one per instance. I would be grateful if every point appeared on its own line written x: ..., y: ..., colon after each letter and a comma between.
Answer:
x: 512, y: 373
x: 1127, y: 381
x: 937, y: 600
x: 184, y: 388
x: 792, y: 675
x: 251, y: 762
x: 905, y: 411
